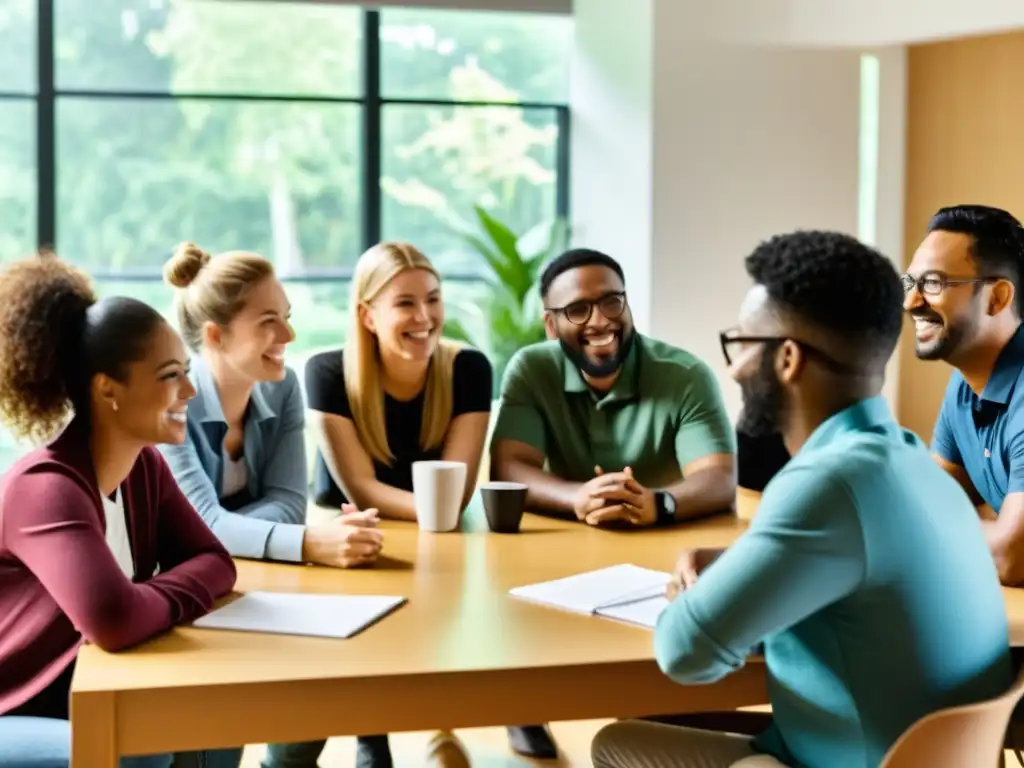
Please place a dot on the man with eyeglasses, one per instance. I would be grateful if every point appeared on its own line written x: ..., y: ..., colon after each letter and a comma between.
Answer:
x: 633, y: 431
x: 962, y: 291
x: 863, y: 573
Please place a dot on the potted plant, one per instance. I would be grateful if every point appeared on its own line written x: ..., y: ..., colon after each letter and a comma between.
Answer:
x: 513, y: 316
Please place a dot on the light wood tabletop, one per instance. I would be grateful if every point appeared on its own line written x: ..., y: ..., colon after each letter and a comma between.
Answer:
x: 460, y: 653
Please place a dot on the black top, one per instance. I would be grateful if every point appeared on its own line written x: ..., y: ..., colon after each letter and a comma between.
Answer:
x: 325, y: 391
x: 759, y: 459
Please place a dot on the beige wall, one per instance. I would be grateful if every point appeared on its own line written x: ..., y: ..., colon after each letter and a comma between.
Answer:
x: 965, y: 143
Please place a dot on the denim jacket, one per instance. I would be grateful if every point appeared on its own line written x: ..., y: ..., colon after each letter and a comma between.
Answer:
x: 266, y: 520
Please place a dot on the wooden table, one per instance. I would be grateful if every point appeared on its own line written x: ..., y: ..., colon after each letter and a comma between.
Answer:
x: 461, y: 653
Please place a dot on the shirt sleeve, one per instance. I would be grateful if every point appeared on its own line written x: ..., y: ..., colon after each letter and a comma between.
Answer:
x: 243, y: 535
x: 472, y: 383
x: 803, y: 551
x: 704, y: 426
x: 1015, y: 483
x: 325, y: 384
x: 943, y: 436
x: 519, y: 415
x: 49, y: 522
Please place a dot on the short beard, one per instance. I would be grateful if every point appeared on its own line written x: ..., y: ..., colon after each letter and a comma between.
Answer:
x: 762, y: 401
x: 600, y: 370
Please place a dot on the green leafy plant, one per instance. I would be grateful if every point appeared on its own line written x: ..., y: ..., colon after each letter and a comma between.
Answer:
x: 512, y: 314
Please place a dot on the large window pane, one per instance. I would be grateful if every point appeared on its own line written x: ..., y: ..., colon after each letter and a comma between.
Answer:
x: 474, y: 55
x: 135, y: 177
x: 18, y: 46
x: 439, y: 162
x: 208, y: 46
x: 17, y: 178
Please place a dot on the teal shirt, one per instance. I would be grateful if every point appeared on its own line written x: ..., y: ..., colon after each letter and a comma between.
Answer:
x: 866, y: 575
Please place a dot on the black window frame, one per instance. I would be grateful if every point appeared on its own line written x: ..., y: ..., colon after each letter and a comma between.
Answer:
x: 372, y: 101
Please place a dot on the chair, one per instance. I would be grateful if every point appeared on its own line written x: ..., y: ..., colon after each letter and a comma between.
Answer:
x: 970, y: 735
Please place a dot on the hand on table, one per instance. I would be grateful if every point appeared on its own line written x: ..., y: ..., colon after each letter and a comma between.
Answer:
x: 616, y: 496
x: 345, y: 542
x: 690, y: 564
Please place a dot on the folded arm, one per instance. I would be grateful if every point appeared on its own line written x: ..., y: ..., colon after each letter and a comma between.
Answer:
x: 54, y: 528
x: 520, y: 462
x: 803, y: 551
x: 519, y: 446
x: 273, y: 534
x: 352, y: 469
x: 1004, y: 532
x: 705, y: 445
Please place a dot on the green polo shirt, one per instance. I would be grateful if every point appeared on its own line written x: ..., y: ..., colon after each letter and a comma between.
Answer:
x: 664, y: 411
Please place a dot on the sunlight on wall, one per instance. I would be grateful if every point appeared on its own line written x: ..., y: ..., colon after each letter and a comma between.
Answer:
x: 867, y: 203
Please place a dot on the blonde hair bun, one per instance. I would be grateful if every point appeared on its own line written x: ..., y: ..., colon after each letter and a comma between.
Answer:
x: 186, y: 263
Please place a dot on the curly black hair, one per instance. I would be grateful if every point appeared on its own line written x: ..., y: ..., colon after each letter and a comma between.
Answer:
x: 573, y: 259
x: 998, y: 241
x: 837, y: 283
x: 55, y: 336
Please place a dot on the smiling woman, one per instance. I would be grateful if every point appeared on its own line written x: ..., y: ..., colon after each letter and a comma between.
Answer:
x: 75, y: 570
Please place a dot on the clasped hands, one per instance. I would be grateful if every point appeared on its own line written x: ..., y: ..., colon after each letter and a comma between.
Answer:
x: 615, y: 497
x: 348, y: 541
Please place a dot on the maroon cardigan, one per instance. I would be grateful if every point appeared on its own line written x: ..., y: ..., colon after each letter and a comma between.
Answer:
x: 59, y: 582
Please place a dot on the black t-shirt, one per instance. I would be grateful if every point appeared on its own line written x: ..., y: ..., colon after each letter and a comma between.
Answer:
x: 759, y: 459
x: 472, y: 382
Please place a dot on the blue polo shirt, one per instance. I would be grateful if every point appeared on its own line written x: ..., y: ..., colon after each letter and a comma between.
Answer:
x: 872, y: 615
x: 985, y: 435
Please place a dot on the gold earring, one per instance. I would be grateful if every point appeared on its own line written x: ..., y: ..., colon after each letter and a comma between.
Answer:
x: 113, y: 404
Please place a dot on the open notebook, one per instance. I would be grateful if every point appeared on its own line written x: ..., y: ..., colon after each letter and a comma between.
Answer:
x: 624, y: 592
x: 339, y: 616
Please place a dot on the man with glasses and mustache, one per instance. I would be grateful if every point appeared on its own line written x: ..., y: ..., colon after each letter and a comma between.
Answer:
x: 871, y: 615
x: 634, y: 431
x: 962, y: 291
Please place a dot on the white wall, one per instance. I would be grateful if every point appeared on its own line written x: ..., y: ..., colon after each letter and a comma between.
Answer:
x: 684, y: 161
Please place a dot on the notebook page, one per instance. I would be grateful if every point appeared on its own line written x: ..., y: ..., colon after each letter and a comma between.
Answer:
x: 338, y: 616
x: 586, y: 592
x: 642, y: 612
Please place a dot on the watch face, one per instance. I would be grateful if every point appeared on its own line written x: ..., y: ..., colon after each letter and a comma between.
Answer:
x: 668, y: 503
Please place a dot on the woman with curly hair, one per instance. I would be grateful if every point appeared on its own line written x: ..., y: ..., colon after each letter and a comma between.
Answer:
x: 97, y: 543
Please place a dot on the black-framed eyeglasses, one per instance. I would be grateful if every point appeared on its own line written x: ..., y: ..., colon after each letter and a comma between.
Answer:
x: 934, y: 282
x: 611, y: 306
x: 728, y: 338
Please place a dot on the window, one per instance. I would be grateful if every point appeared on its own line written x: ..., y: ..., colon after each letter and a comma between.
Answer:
x: 18, y: 185
x: 305, y: 131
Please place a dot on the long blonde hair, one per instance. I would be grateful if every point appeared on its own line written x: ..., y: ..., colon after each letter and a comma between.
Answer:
x: 212, y: 289
x: 375, y: 269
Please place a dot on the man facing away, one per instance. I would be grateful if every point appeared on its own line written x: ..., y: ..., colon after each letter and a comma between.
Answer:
x: 962, y: 292
x: 633, y: 431
x: 872, y: 616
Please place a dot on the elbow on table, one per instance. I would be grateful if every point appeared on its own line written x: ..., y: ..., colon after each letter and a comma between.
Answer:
x: 113, y: 626
x: 1010, y: 566
x: 223, y: 574
x: 691, y: 670
x: 684, y: 663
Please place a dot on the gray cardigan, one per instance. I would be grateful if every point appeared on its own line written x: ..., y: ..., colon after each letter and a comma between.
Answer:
x: 269, y: 525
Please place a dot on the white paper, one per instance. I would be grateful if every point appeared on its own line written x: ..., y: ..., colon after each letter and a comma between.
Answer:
x: 590, y: 591
x: 642, y: 612
x: 338, y: 616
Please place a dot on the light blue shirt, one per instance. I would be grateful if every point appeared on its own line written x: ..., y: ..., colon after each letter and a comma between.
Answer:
x: 270, y: 524
x: 866, y: 575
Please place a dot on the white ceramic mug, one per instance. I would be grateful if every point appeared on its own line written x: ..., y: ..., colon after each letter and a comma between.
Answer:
x: 438, y: 487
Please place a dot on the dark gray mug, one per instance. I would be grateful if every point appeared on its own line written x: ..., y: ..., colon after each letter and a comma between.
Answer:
x: 504, y: 504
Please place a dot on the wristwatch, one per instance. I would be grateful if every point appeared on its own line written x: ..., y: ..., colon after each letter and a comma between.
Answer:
x: 665, y: 503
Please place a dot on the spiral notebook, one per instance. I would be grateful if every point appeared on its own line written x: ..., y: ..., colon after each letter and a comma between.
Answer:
x: 623, y: 592
x: 283, y: 613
